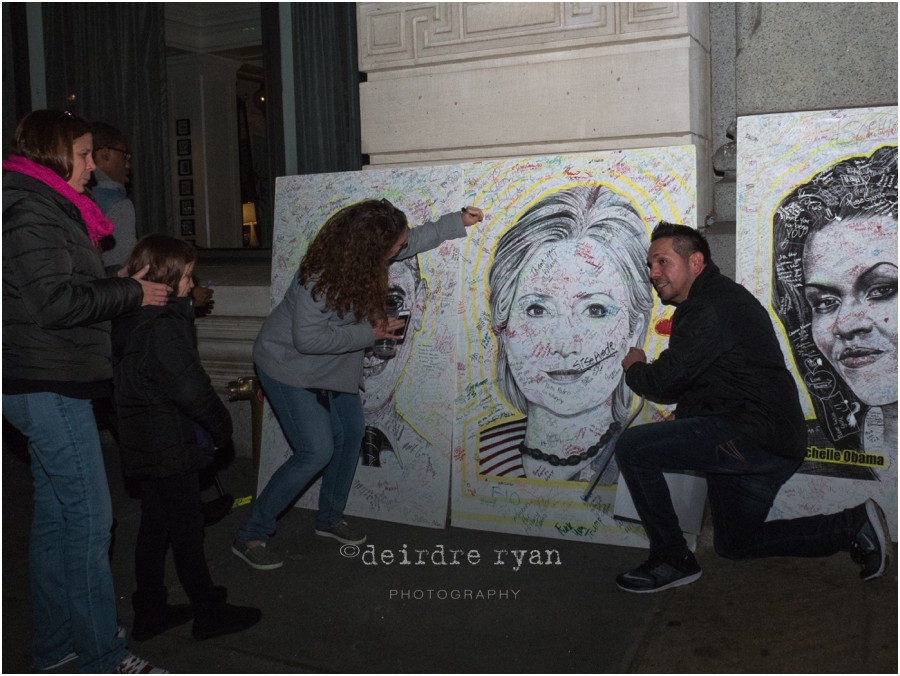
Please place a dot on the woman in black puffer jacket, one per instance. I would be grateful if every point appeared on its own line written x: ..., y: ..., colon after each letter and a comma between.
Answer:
x: 170, y: 420
x: 57, y: 305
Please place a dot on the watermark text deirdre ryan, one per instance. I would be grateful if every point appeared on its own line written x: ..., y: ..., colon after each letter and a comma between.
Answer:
x: 441, y: 556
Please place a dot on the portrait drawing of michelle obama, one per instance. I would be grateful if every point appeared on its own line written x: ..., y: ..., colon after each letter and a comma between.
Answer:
x: 835, y: 292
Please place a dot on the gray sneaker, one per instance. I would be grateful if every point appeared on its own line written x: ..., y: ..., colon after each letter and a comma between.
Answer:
x: 342, y: 532
x: 869, y: 547
x: 260, y: 556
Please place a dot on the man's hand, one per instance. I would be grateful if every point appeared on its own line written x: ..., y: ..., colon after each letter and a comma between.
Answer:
x: 634, y: 355
x: 154, y: 294
x: 471, y: 216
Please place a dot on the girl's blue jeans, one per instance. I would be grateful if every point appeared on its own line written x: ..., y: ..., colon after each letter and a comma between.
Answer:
x: 321, y: 439
x: 71, y: 581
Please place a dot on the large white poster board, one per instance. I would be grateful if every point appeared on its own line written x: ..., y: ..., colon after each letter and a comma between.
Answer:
x: 406, y: 474
x: 554, y: 292
x: 817, y: 244
x: 518, y: 335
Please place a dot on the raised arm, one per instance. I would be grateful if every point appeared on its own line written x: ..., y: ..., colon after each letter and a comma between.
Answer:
x: 433, y: 234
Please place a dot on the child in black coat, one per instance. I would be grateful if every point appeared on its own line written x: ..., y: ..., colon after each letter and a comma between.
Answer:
x: 170, y: 422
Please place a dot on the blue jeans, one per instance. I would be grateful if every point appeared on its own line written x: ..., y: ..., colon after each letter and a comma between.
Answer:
x: 320, y: 439
x: 71, y: 581
x: 742, y: 482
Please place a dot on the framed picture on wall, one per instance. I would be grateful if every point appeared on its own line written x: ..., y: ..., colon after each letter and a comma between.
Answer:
x: 187, y: 227
x: 184, y: 146
x: 187, y: 207
x: 183, y: 127
x: 186, y: 187
x: 185, y: 168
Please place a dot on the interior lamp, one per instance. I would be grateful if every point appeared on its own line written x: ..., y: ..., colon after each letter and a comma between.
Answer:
x: 249, y: 218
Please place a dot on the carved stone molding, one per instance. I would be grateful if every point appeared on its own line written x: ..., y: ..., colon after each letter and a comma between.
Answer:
x: 396, y: 35
x: 226, y: 347
x: 212, y: 26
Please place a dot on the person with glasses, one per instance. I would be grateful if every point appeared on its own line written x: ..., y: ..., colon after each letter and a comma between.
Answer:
x: 113, y: 160
x: 309, y: 356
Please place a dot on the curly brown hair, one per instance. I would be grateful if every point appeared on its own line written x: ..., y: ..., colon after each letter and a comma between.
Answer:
x: 348, y: 260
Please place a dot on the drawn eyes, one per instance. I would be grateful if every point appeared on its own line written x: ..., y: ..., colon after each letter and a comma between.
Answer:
x: 823, y: 305
x: 592, y: 311
x: 596, y: 311
x: 398, y: 299
x: 882, y: 292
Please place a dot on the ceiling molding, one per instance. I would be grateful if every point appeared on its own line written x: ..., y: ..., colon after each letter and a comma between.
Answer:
x: 203, y: 27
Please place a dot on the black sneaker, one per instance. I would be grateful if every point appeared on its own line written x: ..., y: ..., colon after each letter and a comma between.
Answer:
x: 869, y: 545
x: 655, y: 575
x: 343, y: 532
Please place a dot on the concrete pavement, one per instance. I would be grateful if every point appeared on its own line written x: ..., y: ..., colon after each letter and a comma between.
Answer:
x: 325, y: 611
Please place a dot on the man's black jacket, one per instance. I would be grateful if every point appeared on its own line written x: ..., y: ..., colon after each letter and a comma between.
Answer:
x: 724, y: 360
x: 161, y: 390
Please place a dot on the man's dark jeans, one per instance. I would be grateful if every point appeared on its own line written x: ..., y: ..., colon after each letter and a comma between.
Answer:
x: 742, y: 480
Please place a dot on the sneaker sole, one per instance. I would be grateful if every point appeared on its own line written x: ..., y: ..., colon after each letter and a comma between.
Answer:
x: 676, y: 583
x: 258, y: 566
x: 879, y: 525
x: 65, y: 660
x: 72, y: 656
x: 327, y: 534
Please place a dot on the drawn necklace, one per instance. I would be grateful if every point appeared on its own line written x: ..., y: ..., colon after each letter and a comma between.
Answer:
x: 556, y: 461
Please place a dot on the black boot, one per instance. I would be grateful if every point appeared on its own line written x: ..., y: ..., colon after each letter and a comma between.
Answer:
x: 214, y: 617
x: 152, y: 616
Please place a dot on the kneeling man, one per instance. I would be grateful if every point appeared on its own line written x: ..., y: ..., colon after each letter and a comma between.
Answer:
x: 738, y: 420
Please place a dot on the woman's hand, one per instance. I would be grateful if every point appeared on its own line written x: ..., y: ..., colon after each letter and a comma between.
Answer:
x: 471, y: 216
x: 154, y: 293
x: 387, y: 328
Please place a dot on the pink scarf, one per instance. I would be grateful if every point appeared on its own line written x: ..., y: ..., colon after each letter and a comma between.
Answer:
x: 98, y: 225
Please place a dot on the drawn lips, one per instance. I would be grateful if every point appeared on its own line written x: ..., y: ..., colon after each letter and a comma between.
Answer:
x: 858, y: 357
x: 569, y: 375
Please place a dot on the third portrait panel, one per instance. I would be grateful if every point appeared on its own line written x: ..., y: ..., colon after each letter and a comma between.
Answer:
x: 817, y: 241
